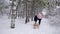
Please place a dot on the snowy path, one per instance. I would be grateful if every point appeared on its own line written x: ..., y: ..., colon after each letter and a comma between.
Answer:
x: 21, y: 28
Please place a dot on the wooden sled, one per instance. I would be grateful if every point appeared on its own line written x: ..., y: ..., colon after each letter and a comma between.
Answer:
x: 36, y: 26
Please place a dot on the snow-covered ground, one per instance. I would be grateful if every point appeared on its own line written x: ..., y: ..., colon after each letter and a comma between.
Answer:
x: 22, y: 28
x: 46, y: 26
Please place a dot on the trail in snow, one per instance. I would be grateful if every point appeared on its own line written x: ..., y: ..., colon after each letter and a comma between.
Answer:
x: 22, y: 28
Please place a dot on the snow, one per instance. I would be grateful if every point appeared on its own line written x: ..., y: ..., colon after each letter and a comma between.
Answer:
x: 44, y: 11
x: 57, y: 6
x: 7, y: 1
x: 22, y: 28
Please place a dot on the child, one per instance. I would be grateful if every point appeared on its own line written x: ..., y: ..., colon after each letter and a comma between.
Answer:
x: 38, y: 17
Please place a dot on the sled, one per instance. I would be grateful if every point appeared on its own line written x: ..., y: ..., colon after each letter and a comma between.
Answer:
x: 36, y: 26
